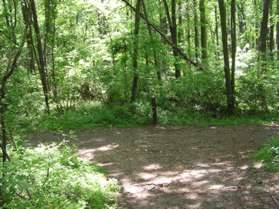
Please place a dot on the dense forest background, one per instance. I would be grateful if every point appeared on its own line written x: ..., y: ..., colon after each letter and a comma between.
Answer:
x: 68, y: 64
x: 138, y: 59
x: 149, y: 58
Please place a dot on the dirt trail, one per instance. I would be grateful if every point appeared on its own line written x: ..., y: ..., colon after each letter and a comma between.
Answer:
x: 184, y: 167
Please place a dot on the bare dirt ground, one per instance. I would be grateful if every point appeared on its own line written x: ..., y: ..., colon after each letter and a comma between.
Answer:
x: 183, y: 167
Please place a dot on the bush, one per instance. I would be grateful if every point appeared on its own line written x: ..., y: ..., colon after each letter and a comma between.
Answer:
x: 202, y: 91
x: 52, y: 176
x: 269, y: 154
x: 257, y: 92
x: 92, y: 116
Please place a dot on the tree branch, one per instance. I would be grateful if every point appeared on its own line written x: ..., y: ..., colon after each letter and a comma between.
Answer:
x: 157, y: 30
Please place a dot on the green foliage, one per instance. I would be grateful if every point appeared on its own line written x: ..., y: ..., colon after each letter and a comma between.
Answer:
x: 25, y: 103
x: 91, y: 116
x: 257, y: 91
x: 88, y: 115
x: 200, y: 91
x: 89, y: 65
x: 52, y: 176
x: 92, y: 51
x: 183, y: 116
x: 269, y: 154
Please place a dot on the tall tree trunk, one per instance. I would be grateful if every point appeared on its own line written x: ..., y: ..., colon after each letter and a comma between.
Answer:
x: 197, y: 43
x: 271, y: 32
x: 171, y: 17
x: 203, y: 23
x: 49, y: 43
x: 135, y: 53
x: 180, y: 22
x: 234, y: 45
x: 188, y: 32
x: 174, y: 38
x: 262, y: 45
x: 41, y: 57
x: 216, y: 28
x: 13, y: 56
x: 254, y: 41
x: 27, y: 17
x: 277, y: 28
x: 164, y: 29
x: 223, y: 21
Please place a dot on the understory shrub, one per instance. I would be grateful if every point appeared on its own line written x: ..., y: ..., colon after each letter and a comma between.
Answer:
x: 269, y: 154
x: 52, y: 176
x: 257, y: 92
x: 201, y: 91
x: 93, y: 115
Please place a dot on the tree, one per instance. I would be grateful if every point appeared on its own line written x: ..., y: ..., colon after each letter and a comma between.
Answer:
x: 203, y: 23
x: 277, y: 28
x: 262, y: 45
x: 12, y: 55
x: 197, y: 43
x: 49, y: 43
x: 171, y: 18
x: 234, y: 45
x: 262, y: 48
x: 29, y: 8
x: 135, y: 52
x: 271, y: 31
x: 227, y: 70
x: 13, y: 45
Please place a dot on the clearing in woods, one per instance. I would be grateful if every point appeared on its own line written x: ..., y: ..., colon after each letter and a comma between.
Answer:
x: 183, y: 167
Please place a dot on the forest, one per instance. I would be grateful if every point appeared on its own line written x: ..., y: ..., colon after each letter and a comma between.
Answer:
x: 139, y: 104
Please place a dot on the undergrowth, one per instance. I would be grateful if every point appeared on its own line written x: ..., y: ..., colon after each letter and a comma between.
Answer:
x: 269, y: 154
x: 53, y: 176
x: 100, y: 115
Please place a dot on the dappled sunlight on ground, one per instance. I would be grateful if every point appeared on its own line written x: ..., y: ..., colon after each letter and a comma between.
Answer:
x: 90, y: 153
x: 190, y: 167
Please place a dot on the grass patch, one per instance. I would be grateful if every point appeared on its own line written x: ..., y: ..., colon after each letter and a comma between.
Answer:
x: 53, y: 176
x: 185, y: 117
x: 88, y: 116
x: 91, y: 116
x: 269, y: 154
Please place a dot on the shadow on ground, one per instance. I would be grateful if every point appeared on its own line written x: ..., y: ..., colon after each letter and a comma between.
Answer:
x: 184, y: 167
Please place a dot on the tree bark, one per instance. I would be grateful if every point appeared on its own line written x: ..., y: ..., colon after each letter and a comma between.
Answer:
x: 203, y: 23
x: 262, y: 48
x: 41, y: 57
x: 188, y: 32
x: 277, y: 28
x: 271, y: 32
x: 10, y: 69
x: 171, y: 17
x: 135, y: 53
x: 216, y: 28
x: 49, y: 44
x: 154, y: 110
x: 262, y: 45
x: 197, y: 43
x: 227, y: 71
x: 234, y: 45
